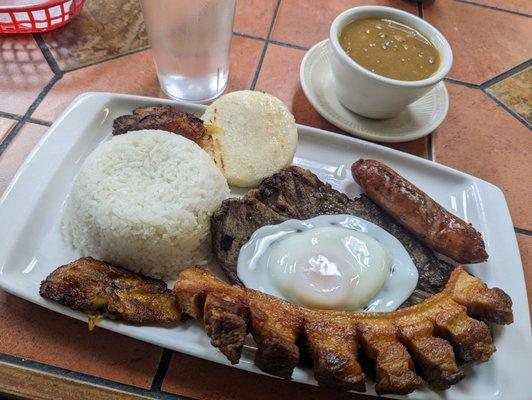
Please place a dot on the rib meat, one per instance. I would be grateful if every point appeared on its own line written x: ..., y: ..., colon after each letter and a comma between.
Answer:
x: 407, y: 346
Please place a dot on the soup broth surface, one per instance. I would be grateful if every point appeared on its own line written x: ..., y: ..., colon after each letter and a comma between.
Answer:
x: 390, y: 49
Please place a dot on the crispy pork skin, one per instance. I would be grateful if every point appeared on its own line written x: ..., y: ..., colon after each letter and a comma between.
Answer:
x: 407, y: 346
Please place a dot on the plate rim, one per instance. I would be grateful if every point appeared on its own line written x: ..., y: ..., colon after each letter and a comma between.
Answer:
x: 309, y: 94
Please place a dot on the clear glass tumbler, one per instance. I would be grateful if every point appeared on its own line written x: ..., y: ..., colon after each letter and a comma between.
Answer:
x: 190, y: 40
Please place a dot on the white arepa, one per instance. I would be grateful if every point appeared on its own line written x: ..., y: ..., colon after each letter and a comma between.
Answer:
x: 258, y: 138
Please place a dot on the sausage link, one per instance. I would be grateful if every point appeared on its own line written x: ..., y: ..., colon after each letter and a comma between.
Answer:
x: 420, y: 214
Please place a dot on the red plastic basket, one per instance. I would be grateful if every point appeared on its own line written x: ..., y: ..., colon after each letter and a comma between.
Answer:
x: 38, y: 17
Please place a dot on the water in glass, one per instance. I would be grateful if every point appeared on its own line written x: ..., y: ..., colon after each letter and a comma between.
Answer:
x: 190, y: 40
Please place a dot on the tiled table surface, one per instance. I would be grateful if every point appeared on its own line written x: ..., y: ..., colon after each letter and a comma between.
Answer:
x: 486, y: 133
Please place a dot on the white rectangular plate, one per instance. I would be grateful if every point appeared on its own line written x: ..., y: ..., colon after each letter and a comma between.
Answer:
x: 31, y: 244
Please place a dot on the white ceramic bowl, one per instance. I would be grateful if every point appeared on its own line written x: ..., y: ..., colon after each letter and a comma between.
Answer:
x: 376, y: 96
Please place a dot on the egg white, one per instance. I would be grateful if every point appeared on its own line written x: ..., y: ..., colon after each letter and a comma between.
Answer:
x: 381, y: 282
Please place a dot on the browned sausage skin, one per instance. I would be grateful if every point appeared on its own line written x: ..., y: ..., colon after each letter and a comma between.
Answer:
x: 415, y: 210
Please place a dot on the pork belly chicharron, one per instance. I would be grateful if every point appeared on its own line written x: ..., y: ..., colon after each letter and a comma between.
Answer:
x: 420, y: 343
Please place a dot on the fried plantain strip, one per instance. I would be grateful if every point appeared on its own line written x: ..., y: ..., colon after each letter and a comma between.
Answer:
x: 99, y: 288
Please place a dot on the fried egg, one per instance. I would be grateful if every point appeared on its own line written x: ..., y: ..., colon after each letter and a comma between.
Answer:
x: 337, y: 262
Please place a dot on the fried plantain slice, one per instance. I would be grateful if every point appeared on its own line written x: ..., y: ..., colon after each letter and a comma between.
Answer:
x: 99, y: 288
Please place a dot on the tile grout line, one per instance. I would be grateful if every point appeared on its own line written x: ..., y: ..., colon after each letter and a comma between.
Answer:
x: 506, y: 74
x: 116, y: 56
x: 289, y: 45
x: 143, y: 48
x: 162, y: 369
x: 496, y: 79
x: 10, y: 116
x: 430, y: 150
x: 26, y: 117
x: 462, y: 83
x: 484, y: 87
x: 7, y: 140
x: 491, y: 96
x: 248, y: 36
x: 277, y: 42
x: 48, y: 56
x: 522, y: 231
x: 62, y: 372
x: 9, y: 130
x: 259, y: 66
x: 494, y: 8
x: 263, y: 53
x: 39, y: 122
x: 508, y: 109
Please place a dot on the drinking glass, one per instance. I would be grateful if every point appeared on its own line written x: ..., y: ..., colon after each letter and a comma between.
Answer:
x: 190, y: 40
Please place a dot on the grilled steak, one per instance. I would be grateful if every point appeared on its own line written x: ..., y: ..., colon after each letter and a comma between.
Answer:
x: 233, y: 224
x: 298, y: 193
x: 166, y: 118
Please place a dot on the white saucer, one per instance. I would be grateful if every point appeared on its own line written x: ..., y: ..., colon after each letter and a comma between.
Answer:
x: 417, y: 120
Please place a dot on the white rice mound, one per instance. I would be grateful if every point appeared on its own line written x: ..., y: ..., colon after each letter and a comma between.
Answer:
x: 143, y: 200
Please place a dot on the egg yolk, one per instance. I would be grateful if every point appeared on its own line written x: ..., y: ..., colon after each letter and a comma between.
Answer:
x: 329, y: 268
